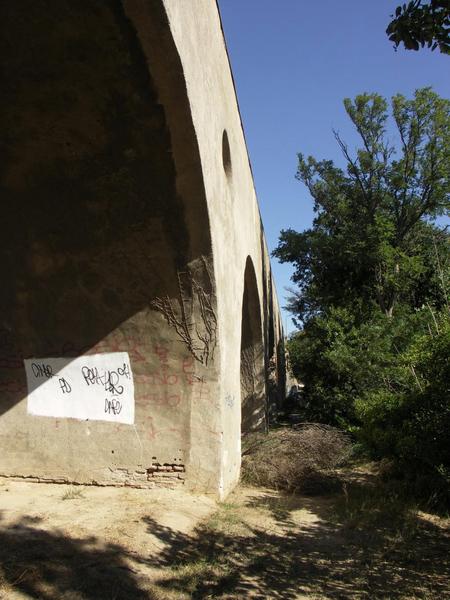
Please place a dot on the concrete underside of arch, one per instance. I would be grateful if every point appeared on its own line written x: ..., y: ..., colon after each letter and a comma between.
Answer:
x: 125, y: 241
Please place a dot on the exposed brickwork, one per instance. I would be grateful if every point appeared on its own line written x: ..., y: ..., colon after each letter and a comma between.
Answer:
x: 166, y: 474
x: 158, y: 475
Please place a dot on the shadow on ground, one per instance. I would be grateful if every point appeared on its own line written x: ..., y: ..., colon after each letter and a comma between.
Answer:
x: 359, y: 544
x: 331, y: 560
x: 51, y: 565
x: 365, y: 542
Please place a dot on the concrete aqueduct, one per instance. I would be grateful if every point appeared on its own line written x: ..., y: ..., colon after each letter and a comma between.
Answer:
x: 139, y: 325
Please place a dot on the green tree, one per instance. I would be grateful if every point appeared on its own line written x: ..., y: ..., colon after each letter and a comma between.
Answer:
x: 370, y: 241
x: 371, y: 279
x: 418, y: 24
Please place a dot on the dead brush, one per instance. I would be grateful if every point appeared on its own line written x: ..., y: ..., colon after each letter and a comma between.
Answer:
x: 299, y: 459
x: 73, y: 493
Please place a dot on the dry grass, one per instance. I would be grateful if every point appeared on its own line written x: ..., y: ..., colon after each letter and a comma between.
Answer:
x: 73, y: 493
x: 297, y: 459
x: 201, y: 572
x: 227, y: 519
x: 363, y: 543
x: 356, y: 544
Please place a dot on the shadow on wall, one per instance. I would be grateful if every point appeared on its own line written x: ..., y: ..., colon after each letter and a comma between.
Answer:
x: 281, y: 372
x: 253, y: 400
x: 93, y: 226
x: 273, y: 342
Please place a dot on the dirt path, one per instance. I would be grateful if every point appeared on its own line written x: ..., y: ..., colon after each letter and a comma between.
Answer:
x: 72, y: 543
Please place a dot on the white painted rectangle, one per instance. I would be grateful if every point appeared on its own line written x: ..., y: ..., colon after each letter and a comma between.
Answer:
x: 96, y: 387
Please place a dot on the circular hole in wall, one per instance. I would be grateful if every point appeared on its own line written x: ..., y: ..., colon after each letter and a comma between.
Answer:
x: 226, y: 154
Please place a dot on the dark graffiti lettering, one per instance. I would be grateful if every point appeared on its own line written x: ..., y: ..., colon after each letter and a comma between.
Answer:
x: 111, y: 384
x: 91, y: 376
x: 65, y: 385
x: 113, y: 406
x: 124, y: 371
x: 42, y: 370
x: 108, y: 379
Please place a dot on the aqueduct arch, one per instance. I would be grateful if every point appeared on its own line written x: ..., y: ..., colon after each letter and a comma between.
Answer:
x: 121, y: 228
x: 253, y: 398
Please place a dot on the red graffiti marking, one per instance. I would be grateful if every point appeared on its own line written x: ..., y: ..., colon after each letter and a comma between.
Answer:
x: 202, y: 394
x: 164, y: 379
x: 119, y: 342
x: 189, y: 374
x: 162, y: 376
x: 144, y: 379
x: 187, y: 364
x: 162, y: 353
x: 152, y: 432
x: 163, y: 399
x: 151, y: 428
x: 115, y: 342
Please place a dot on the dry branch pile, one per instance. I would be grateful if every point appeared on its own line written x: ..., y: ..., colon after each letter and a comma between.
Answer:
x: 299, y: 459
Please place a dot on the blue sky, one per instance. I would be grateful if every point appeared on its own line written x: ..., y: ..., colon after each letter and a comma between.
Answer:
x: 293, y: 62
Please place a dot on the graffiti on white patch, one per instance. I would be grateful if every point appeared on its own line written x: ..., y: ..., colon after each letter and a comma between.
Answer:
x: 98, y: 387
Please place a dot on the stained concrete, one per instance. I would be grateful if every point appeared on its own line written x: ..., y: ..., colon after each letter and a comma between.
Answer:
x: 130, y: 224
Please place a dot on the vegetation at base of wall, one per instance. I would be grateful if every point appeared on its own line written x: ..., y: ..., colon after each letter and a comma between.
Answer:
x: 387, y: 384
x: 372, y: 295
x: 300, y: 459
x: 73, y: 493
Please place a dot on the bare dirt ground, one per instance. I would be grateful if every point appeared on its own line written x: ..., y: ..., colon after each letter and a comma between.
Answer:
x: 90, y: 543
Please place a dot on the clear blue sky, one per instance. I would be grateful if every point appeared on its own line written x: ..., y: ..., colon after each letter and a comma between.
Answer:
x: 293, y: 63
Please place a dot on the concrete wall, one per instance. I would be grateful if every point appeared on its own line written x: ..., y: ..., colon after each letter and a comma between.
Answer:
x: 130, y: 225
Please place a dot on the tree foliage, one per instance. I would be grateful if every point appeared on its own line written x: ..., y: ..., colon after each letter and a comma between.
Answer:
x: 370, y: 243
x: 418, y: 24
x: 371, y: 279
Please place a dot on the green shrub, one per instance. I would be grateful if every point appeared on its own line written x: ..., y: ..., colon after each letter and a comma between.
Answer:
x: 411, y: 424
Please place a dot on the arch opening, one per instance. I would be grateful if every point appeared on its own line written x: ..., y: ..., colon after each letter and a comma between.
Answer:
x: 226, y: 154
x: 253, y: 401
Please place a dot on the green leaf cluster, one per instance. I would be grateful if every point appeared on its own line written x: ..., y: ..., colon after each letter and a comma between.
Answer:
x: 418, y: 24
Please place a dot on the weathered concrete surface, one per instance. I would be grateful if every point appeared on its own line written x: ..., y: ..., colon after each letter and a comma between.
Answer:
x: 130, y: 224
